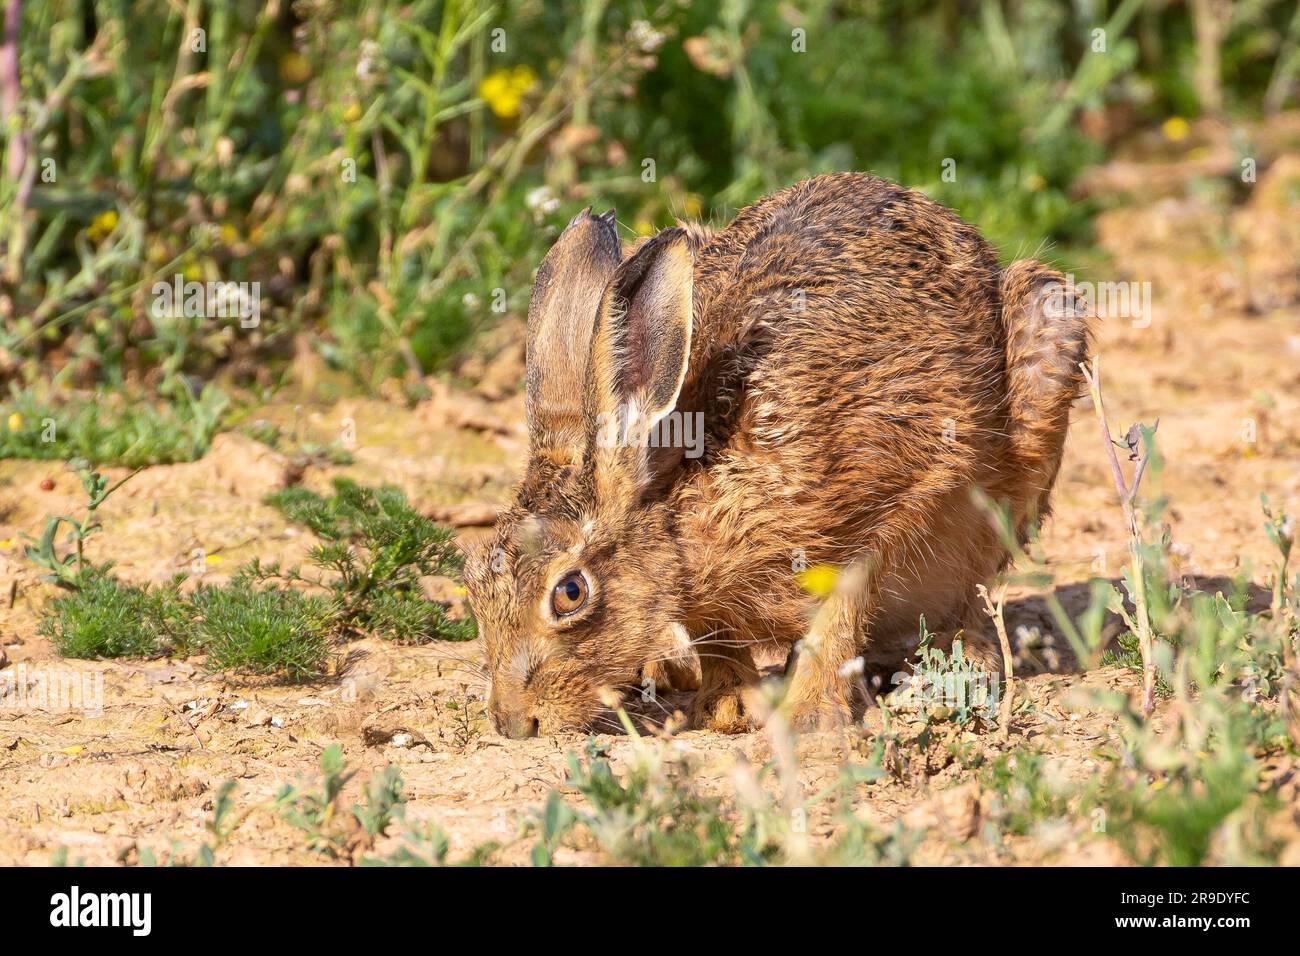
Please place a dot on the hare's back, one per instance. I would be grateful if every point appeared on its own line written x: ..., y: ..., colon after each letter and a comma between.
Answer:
x: 859, y: 312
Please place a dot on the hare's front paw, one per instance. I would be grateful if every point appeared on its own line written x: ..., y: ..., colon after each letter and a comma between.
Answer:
x: 670, y: 675
x: 721, y: 710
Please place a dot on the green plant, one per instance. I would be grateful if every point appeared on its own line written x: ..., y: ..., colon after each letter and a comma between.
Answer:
x: 249, y: 625
x: 282, y: 633
x: 69, y: 570
x: 350, y: 832
x: 103, y: 617
x: 111, y: 428
x: 949, y: 686
x: 377, y: 549
x: 654, y: 814
x: 383, y: 169
x: 650, y: 817
x: 1027, y: 791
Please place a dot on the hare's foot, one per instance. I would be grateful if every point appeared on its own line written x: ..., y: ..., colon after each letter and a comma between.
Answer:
x: 806, y: 716
x: 818, y: 694
x: 724, y: 670
x: 721, y: 710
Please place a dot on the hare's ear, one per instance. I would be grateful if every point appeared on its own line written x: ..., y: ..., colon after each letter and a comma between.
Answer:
x: 639, y: 356
x: 561, y: 316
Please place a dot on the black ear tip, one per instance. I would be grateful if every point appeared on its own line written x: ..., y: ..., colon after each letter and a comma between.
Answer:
x: 607, y: 217
x: 585, y: 214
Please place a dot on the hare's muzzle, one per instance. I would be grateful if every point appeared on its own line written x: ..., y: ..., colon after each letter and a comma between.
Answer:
x: 514, y: 721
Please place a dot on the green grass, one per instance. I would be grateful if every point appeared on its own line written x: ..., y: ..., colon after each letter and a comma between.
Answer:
x: 109, y: 428
x: 106, y: 618
x: 285, y: 634
x: 377, y: 549
x: 266, y: 621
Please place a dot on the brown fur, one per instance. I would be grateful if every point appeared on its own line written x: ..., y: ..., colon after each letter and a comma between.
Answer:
x: 861, y: 364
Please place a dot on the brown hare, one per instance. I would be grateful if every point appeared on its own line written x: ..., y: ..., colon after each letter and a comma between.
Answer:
x: 860, y: 365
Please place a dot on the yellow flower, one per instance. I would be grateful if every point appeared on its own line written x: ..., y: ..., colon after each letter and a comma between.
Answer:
x: 1175, y: 129
x: 818, y: 580
x: 643, y: 227
x: 193, y: 272
x: 294, y: 68
x: 15, y: 421
x: 352, y: 113
x: 503, y: 90
x: 691, y: 205
x: 229, y: 234
x: 212, y: 559
x: 102, y: 225
x: 1035, y: 183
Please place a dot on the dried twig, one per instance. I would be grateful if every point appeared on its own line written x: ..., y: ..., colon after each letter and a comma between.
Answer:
x: 994, y: 611
x: 1127, y: 496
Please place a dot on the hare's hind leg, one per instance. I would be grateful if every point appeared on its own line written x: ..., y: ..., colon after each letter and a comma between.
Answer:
x: 819, y: 690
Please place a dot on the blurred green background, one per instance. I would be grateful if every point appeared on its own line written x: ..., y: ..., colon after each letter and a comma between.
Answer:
x: 391, y: 173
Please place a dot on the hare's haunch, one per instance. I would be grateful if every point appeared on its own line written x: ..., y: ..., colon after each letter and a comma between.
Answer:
x: 825, y: 382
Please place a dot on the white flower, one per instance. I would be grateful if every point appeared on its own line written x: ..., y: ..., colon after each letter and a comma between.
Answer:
x: 541, y: 201
x: 646, y: 37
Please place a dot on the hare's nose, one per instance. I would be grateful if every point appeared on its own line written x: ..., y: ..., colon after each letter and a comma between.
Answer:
x: 515, y: 723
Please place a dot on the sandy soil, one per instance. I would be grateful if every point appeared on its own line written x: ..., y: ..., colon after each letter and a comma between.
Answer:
x: 1219, y: 365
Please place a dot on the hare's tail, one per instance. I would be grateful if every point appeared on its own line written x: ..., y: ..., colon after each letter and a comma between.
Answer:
x: 1047, y: 337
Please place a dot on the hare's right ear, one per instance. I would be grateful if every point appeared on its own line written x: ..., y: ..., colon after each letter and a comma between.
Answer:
x: 561, y: 315
x: 639, y: 356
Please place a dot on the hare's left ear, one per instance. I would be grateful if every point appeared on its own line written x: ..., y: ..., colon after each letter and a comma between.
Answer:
x: 639, y: 356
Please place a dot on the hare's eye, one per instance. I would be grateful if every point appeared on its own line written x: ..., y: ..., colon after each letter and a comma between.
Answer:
x: 569, y: 595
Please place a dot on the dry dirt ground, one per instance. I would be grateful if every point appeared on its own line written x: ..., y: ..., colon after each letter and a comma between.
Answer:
x: 1219, y: 365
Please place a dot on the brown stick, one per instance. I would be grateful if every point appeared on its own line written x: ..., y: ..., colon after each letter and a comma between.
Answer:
x: 1127, y: 495
x: 994, y: 611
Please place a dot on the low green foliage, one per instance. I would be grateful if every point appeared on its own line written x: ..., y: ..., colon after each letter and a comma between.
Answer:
x: 1026, y: 791
x: 377, y: 548
x: 281, y: 633
x: 350, y: 832
x: 110, y: 429
x: 652, y: 816
x: 1191, y: 789
x: 951, y: 686
x: 265, y: 621
x: 655, y: 814
x: 103, y: 617
x: 341, y: 832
